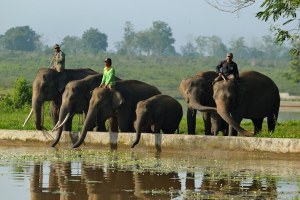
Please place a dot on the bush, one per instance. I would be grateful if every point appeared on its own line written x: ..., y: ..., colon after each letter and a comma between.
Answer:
x: 21, y: 95
x: 22, y: 92
x: 6, y: 103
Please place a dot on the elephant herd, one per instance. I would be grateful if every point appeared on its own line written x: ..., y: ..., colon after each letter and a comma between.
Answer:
x: 135, y: 106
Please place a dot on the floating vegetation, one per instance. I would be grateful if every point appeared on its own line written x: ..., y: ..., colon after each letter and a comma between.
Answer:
x: 128, y: 161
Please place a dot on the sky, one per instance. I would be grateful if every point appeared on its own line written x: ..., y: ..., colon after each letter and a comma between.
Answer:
x: 56, y: 19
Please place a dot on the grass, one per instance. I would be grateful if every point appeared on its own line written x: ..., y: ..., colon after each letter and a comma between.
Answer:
x: 14, y: 119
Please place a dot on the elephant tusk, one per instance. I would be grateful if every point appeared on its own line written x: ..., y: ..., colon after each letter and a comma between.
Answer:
x: 224, y: 77
x: 65, y: 120
x: 56, y: 125
x: 28, y: 117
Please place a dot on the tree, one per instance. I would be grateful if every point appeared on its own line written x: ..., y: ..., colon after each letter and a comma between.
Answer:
x: 270, y: 48
x: 162, y: 39
x: 230, y: 5
x: 238, y: 46
x: 285, y: 11
x: 144, y: 43
x: 216, y: 47
x: 127, y: 46
x: 72, y: 44
x: 21, y: 38
x: 94, y: 41
x: 202, y: 45
x: 189, y: 50
x: 282, y: 12
x: 294, y: 70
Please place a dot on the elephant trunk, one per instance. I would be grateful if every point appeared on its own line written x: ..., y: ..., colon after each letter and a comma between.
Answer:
x: 88, y: 123
x: 226, y: 116
x: 197, y: 106
x: 59, y: 128
x: 137, y: 138
x: 37, y: 111
x: 140, y: 124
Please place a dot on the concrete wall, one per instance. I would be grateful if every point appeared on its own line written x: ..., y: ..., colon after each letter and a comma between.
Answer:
x: 158, y: 141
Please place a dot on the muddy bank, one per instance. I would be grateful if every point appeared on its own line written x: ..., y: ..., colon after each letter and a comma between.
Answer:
x: 178, y: 142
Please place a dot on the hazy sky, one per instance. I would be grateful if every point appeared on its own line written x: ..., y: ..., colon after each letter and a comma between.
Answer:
x: 56, y: 19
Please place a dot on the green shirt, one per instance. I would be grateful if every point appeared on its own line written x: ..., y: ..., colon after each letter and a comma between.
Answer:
x: 108, y: 77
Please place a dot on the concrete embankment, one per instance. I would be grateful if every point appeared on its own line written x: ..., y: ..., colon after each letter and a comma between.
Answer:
x: 161, y: 141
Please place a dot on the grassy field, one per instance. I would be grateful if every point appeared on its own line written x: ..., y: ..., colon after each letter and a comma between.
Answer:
x: 164, y: 73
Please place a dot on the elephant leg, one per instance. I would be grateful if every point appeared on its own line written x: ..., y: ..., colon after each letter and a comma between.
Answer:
x: 157, y: 128
x: 125, y: 121
x: 257, y: 125
x: 271, y: 122
x: 113, y: 124
x: 54, y: 112
x: 191, y: 121
x: 207, y: 123
x: 232, y: 131
x: 100, y: 126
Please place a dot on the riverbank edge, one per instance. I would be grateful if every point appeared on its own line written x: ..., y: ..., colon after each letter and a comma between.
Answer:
x: 158, y: 141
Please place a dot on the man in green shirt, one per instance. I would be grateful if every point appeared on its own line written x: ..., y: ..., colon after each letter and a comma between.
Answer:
x: 108, y: 79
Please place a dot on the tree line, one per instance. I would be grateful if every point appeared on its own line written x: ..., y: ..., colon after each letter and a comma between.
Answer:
x: 157, y: 41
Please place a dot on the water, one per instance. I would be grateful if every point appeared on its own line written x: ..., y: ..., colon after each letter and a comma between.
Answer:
x: 285, y: 116
x: 34, y: 172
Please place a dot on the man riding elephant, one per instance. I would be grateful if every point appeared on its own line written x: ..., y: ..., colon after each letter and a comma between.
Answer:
x: 58, y: 59
x: 227, y: 69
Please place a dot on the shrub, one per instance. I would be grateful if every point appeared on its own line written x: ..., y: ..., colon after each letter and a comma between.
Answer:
x: 22, y: 93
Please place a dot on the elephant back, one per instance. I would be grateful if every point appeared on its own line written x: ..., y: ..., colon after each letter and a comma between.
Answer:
x: 76, y: 74
x: 262, y: 88
x: 137, y: 89
x: 207, y: 75
x: 258, y: 81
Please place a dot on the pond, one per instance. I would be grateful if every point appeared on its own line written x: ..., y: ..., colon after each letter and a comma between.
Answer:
x: 39, y: 172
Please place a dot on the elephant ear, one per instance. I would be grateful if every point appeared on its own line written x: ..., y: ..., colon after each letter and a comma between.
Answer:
x: 117, y: 99
x: 62, y: 81
x: 157, y: 110
x: 242, y: 89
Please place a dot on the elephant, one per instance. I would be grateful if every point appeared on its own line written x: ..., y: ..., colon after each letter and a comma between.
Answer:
x: 255, y: 96
x: 75, y: 100
x: 218, y: 124
x: 119, y: 102
x: 198, y: 93
x: 161, y: 112
x: 49, y: 85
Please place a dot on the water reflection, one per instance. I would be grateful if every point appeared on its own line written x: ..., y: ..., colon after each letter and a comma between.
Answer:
x: 225, y: 175
x: 104, y: 182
